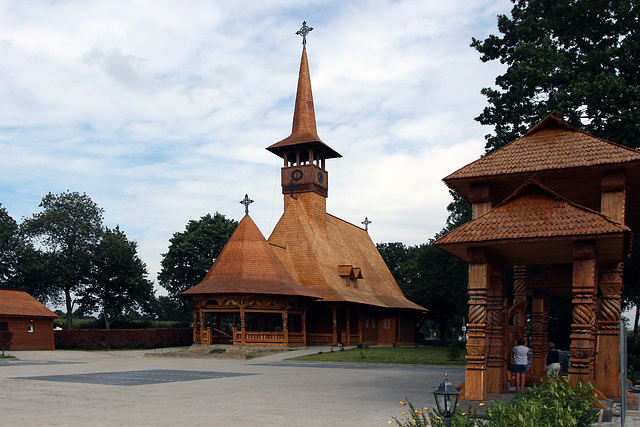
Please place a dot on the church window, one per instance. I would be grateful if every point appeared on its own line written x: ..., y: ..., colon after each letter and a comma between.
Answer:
x: 386, y: 323
x: 29, y: 328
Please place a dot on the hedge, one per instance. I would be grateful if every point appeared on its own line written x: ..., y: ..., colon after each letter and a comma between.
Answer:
x: 97, y: 339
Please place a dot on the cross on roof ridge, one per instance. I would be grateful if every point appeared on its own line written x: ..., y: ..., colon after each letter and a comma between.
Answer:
x: 246, y: 202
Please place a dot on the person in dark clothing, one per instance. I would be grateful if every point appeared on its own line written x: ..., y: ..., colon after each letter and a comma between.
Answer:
x: 553, y: 360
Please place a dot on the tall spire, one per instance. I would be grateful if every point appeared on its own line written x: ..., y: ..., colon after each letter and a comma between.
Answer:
x: 304, y: 130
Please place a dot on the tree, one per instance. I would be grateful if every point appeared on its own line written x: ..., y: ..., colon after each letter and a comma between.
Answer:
x: 579, y: 57
x: 117, y: 282
x: 68, y: 229
x: 9, y: 243
x: 21, y: 265
x: 431, y: 278
x: 191, y: 253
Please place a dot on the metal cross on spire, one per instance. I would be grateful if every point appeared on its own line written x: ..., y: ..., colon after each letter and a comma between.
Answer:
x: 246, y: 202
x: 304, y: 30
x: 366, y: 223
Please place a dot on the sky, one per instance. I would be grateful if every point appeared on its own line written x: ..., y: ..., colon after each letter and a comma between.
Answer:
x: 161, y: 111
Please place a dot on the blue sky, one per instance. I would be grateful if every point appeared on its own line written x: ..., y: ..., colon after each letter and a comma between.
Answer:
x: 161, y: 111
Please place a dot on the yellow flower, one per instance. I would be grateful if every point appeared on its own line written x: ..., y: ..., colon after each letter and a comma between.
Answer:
x: 426, y: 409
x: 413, y: 421
x: 402, y: 403
x: 464, y: 413
x: 404, y: 413
x: 482, y: 404
x: 389, y: 422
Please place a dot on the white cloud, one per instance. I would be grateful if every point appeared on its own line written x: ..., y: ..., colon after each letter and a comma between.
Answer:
x: 161, y: 111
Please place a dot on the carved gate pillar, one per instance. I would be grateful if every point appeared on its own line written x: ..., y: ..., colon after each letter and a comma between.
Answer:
x: 584, y: 310
x: 477, y: 340
x: 540, y: 334
x: 496, y: 312
x: 607, y: 370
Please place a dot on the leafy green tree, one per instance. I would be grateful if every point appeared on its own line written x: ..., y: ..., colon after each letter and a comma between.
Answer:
x: 431, y: 278
x: 579, y: 57
x: 191, y: 253
x: 21, y: 265
x: 67, y: 229
x: 9, y: 243
x: 117, y: 282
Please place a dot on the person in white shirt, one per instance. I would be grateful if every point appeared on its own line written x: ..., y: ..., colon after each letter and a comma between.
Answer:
x: 520, y: 362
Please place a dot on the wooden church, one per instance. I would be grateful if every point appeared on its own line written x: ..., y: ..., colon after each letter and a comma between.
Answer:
x: 566, y: 202
x: 317, y: 280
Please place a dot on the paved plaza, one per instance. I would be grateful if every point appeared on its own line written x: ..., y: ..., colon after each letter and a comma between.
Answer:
x: 78, y: 388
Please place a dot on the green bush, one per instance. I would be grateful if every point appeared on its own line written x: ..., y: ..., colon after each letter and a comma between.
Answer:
x: 553, y: 402
x: 218, y: 350
x: 454, y: 352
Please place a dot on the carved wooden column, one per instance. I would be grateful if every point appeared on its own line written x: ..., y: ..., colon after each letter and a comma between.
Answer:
x: 195, y: 322
x: 608, y: 331
x: 348, y: 325
x: 540, y: 335
x: 475, y: 374
x: 242, y: 323
x: 584, y: 310
x: 285, y: 325
x: 304, y: 326
x: 359, y: 313
x: 520, y: 298
x: 496, y: 365
x: 334, y: 326
x: 201, y: 321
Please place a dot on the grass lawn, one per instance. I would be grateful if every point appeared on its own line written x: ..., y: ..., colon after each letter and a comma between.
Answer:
x: 405, y: 355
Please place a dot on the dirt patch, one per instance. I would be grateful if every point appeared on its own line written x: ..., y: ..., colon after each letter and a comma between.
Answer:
x: 213, y: 352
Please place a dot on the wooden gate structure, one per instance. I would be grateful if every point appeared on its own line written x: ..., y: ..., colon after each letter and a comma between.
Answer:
x: 559, y: 197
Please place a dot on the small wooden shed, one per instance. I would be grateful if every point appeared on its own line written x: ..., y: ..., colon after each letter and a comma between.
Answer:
x: 29, y: 320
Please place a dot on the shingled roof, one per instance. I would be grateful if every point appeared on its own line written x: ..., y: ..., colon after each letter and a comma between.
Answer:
x: 555, y: 151
x: 304, y: 130
x: 533, y: 215
x: 320, y: 250
x: 552, y: 144
x: 248, y: 265
x: 20, y: 303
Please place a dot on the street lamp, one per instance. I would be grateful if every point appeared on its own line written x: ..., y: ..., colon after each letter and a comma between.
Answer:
x: 446, y: 396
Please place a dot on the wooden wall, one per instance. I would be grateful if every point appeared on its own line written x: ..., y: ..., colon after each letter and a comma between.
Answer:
x: 40, y: 339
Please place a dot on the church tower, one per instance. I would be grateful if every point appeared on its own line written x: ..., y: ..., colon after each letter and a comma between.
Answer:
x: 304, y: 177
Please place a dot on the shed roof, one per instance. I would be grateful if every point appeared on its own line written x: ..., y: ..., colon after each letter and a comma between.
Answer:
x: 20, y: 303
x: 248, y: 265
x: 523, y: 226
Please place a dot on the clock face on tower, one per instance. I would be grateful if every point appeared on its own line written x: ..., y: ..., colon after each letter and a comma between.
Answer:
x: 320, y: 177
x: 296, y: 175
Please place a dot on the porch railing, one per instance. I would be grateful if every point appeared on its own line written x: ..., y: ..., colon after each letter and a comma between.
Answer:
x: 320, y: 339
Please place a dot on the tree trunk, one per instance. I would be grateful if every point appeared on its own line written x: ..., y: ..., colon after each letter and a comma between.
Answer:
x: 69, y: 304
x: 107, y: 323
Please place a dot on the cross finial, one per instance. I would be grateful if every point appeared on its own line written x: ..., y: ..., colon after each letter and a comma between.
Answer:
x: 246, y: 202
x: 366, y: 223
x: 304, y: 30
